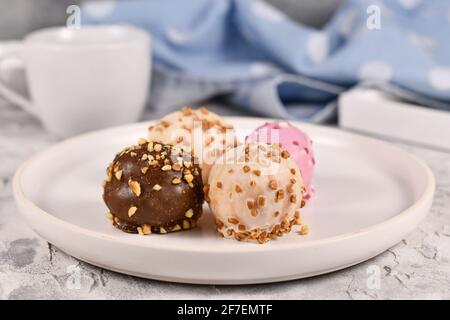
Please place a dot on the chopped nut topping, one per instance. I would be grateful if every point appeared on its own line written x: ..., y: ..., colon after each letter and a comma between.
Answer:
x: 133, y: 154
x: 132, y: 211
x: 150, y: 147
x: 186, y: 111
x: 257, y: 172
x: 157, y: 147
x: 187, y: 128
x: 142, y: 141
x: 165, y: 123
x: 157, y: 187
x: 238, y: 188
x: 154, y: 163
x: 144, y: 170
x: 261, y: 201
x: 176, y: 167
x: 189, y: 213
x: 109, y: 216
x: 135, y: 187
x: 146, y: 229
x: 250, y: 204
x: 233, y: 220
x: 305, y: 230
x: 162, y: 230
x: 139, y: 230
x: 292, y: 198
x: 144, y: 157
x: 279, y: 195
x: 118, y: 175
x: 219, y: 223
x: 191, y: 185
x: 186, y: 224
x: 188, y: 164
x: 176, y: 228
x: 166, y: 167
x: 273, y: 184
x: 219, y: 185
x: 238, y: 236
x: 189, y: 177
x: 285, y: 154
x: 176, y: 180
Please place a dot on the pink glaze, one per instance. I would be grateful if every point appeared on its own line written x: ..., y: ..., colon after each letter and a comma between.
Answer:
x: 293, y: 140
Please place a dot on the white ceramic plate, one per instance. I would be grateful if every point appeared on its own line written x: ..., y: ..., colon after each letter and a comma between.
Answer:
x: 369, y: 196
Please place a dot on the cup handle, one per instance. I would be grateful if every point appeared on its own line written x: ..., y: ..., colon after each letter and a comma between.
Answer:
x: 9, y: 94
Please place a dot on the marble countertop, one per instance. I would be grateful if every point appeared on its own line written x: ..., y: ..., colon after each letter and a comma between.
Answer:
x: 31, y: 268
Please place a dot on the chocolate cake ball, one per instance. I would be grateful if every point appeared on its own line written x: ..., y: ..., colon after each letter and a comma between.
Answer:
x: 153, y: 187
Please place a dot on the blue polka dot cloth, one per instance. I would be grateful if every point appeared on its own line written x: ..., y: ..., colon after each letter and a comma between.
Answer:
x: 265, y: 63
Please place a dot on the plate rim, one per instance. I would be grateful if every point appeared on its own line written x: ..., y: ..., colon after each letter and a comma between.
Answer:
x: 424, y: 198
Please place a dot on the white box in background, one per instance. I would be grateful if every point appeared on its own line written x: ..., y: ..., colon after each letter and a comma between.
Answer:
x: 372, y: 111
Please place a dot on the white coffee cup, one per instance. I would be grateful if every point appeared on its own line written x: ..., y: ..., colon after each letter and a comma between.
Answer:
x: 83, y: 79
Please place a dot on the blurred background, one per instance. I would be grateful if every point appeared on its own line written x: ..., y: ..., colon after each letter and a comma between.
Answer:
x: 340, y: 62
x: 19, y: 17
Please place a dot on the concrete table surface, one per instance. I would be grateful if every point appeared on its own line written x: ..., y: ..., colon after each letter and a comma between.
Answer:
x: 31, y: 268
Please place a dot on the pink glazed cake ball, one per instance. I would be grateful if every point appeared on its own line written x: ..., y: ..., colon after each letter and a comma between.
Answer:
x: 293, y: 140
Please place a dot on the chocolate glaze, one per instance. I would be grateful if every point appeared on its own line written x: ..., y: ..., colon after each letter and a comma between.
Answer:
x: 164, y: 210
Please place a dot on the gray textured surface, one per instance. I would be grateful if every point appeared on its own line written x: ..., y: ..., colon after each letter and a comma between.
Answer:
x: 30, y: 268
x: 18, y: 17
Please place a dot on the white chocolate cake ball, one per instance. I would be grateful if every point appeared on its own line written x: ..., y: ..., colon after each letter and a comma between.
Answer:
x: 199, y: 131
x: 256, y: 193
